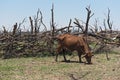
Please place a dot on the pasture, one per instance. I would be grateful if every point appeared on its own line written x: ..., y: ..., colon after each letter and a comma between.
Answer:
x: 45, y: 68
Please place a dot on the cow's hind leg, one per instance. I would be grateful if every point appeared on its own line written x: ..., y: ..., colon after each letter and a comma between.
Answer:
x: 61, y: 52
x: 58, y: 52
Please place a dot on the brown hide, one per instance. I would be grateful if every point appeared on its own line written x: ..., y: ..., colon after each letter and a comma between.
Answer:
x: 72, y: 42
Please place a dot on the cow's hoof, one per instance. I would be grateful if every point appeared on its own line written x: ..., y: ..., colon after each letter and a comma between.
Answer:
x: 67, y: 60
x: 56, y: 60
x: 81, y: 62
x: 88, y: 63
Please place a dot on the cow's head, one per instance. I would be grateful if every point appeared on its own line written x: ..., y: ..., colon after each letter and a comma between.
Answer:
x: 88, y: 57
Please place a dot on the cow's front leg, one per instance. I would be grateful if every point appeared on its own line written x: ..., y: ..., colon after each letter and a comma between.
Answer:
x: 56, y: 57
x: 80, y: 60
x: 64, y: 55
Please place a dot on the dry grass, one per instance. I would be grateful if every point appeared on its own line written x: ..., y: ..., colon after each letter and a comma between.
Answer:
x: 47, y: 69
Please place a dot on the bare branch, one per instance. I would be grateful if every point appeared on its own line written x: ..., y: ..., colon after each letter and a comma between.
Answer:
x: 79, y: 25
x: 104, y: 24
x: 21, y: 24
x: 96, y: 26
x: 101, y: 29
x: 41, y: 19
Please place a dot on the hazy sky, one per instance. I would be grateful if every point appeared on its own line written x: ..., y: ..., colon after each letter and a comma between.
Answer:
x: 12, y: 11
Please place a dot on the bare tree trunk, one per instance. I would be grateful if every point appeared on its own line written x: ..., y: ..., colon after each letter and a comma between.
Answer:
x: 4, y: 30
x: 31, y: 22
x: 108, y: 21
x: 52, y: 23
x: 69, y: 25
x: 87, y: 21
x: 14, y: 29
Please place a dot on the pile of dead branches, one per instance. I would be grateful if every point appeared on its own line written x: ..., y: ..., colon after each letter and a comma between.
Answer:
x: 19, y: 43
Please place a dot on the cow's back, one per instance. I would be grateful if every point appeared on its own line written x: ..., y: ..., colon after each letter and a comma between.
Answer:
x: 68, y: 41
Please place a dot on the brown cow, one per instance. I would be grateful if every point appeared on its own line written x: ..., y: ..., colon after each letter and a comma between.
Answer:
x: 72, y: 42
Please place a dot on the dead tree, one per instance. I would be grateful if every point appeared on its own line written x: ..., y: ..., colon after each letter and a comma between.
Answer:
x: 85, y: 28
x: 110, y: 32
x: 50, y: 36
